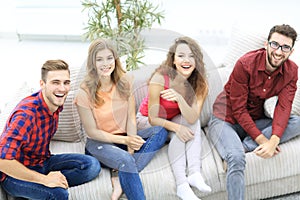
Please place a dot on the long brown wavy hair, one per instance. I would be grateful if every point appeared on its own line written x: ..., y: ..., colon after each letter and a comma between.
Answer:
x: 197, y: 80
x: 91, y: 81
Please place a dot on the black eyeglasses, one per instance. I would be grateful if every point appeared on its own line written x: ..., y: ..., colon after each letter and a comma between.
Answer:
x: 285, y: 48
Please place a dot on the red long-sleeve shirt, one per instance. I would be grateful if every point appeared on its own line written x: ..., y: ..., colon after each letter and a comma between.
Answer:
x: 249, y: 85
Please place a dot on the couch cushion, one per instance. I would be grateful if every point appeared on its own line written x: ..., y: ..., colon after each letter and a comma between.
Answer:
x: 140, y: 85
x: 244, y: 38
x: 69, y: 123
x: 58, y: 147
x: 69, y: 126
x: 285, y: 164
x: 215, y: 87
x: 21, y: 93
x: 99, y: 188
x: 257, y: 165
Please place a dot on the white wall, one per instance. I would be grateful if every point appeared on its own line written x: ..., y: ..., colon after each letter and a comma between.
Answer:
x: 190, y: 17
x: 7, y: 17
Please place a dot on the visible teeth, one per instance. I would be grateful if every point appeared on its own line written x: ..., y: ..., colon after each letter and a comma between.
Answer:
x: 277, y: 57
x: 106, y: 68
x: 59, y: 95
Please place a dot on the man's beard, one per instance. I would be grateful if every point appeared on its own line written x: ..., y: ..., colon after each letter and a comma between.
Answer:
x: 271, y: 63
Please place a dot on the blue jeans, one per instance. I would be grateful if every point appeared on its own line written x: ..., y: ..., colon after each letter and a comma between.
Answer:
x: 231, y: 141
x: 77, y: 168
x: 116, y: 156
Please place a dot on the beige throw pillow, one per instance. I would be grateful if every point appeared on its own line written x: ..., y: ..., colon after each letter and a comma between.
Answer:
x: 69, y: 125
x: 244, y: 38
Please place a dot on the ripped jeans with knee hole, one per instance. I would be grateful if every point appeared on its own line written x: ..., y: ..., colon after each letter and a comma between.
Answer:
x: 115, y: 156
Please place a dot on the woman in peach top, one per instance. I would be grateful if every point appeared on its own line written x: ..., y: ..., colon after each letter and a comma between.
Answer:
x: 106, y: 108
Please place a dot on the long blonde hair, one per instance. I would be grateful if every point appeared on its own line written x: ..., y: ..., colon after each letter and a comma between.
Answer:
x: 91, y: 81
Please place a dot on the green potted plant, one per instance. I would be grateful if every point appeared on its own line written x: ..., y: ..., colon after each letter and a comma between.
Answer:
x: 122, y: 21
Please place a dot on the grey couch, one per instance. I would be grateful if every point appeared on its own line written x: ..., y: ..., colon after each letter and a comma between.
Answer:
x: 264, y: 177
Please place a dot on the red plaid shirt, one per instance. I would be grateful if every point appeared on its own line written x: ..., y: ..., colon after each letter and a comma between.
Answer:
x: 249, y: 85
x: 28, y: 132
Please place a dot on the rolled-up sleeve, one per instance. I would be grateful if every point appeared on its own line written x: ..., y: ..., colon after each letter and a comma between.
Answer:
x: 14, y: 134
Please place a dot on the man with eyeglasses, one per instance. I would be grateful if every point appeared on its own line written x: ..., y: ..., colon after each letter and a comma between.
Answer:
x: 238, y: 123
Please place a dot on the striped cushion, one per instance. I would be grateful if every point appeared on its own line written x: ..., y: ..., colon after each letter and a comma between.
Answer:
x: 243, y: 39
x: 21, y: 93
x: 215, y: 86
x: 69, y: 125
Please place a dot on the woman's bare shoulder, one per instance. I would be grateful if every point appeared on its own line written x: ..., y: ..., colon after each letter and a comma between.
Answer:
x: 157, y: 78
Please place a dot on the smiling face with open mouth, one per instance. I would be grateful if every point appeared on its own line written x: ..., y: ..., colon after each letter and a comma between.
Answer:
x: 276, y: 56
x: 56, y: 88
x: 105, y: 62
x: 184, y: 60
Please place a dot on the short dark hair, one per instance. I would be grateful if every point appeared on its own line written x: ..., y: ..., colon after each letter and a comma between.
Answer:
x: 285, y: 30
x: 53, y: 65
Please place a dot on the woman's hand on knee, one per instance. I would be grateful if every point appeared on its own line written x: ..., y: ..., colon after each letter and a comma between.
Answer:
x: 134, y: 142
x: 184, y: 134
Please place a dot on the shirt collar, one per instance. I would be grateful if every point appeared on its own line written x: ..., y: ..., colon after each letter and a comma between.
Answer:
x: 262, y: 66
x: 45, y: 107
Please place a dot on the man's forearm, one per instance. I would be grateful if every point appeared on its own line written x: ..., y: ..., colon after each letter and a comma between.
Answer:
x: 17, y: 170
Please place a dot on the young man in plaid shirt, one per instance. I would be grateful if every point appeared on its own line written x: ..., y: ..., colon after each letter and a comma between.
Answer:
x: 28, y: 168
